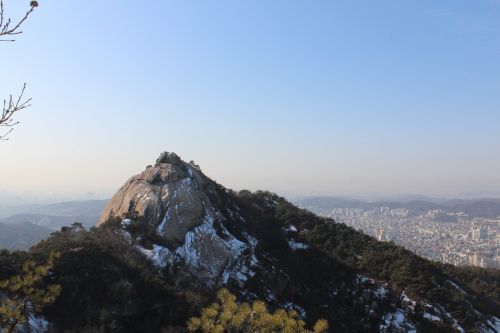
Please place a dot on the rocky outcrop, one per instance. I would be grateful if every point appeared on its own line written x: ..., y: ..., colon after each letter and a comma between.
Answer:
x: 175, y: 198
x: 167, y: 195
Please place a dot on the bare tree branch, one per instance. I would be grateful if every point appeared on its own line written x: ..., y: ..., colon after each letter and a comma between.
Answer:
x: 8, y: 28
x: 9, y: 109
x: 12, y: 105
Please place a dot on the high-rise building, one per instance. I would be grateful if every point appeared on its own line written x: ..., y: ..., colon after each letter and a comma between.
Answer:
x: 382, y: 235
x: 484, y: 261
x: 479, y: 234
x: 384, y: 210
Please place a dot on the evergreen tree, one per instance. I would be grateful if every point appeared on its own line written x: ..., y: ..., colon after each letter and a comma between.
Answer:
x: 231, y: 317
x: 25, y: 295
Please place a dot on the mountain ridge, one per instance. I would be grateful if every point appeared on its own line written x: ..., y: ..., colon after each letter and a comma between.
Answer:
x: 21, y: 236
x: 170, y: 237
x: 44, y: 219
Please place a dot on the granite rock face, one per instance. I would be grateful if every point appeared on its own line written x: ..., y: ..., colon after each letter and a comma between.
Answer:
x: 176, y: 198
x: 167, y: 195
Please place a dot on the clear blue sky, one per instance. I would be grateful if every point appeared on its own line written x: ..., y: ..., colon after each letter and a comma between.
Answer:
x: 299, y: 97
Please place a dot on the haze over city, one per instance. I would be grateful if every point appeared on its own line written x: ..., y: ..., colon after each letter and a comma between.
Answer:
x: 347, y: 98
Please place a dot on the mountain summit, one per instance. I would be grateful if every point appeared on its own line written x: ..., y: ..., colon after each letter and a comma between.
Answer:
x: 171, y: 191
x: 183, y: 206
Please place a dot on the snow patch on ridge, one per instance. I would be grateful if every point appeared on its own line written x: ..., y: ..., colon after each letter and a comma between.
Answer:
x: 431, y: 317
x: 126, y: 222
x: 294, y: 307
x: 397, y: 321
x: 204, y: 252
x: 493, y: 325
x: 405, y: 300
x: 160, y: 256
x: 161, y: 228
x: 241, y: 272
x: 297, y: 245
x: 201, y: 239
x: 37, y: 324
x: 456, y: 286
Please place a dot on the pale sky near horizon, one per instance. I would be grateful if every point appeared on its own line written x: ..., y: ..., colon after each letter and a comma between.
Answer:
x: 297, y: 97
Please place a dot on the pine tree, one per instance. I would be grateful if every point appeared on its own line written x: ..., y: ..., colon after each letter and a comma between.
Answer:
x: 25, y: 295
x: 227, y: 316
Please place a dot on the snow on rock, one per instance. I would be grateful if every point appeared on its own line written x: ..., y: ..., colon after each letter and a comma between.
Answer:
x: 297, y: 308
x: 446, y: 315
x: 492, y: 325
x: 252, y: 241
x: 36, y: 324
x: 241, y: 272
x: 160, y: 256
x: 244, y: 268
x: 362, y: 280
x: 126, y: 222
x: 371, y: 287
x: 161, y: 228
x: 406, y: 301
x: 297, y: 245
x: 397, y: 321
x: 204, y: 253
x: 430, y: 316
x: 458, y: 327
x: 456, y: 286
x: 381, y: 292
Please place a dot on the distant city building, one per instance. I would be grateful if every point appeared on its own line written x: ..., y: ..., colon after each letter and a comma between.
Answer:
x: 479, y: 234
x: 485, y: 261
x: 383, y: 236
x: 456, y: 258
x: 399, y: 212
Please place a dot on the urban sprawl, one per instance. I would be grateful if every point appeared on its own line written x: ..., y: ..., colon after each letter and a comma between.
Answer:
x: 453, y: 238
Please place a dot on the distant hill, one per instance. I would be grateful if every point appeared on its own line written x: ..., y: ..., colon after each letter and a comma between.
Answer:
x: 50, y: 221
x: 71, y: 208
x: 21, y: 236
x: 26, y: 225
x: 485, y: 208
x: 67, y: 208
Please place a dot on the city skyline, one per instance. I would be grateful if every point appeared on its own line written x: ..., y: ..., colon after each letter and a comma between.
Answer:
x: 452, y: 237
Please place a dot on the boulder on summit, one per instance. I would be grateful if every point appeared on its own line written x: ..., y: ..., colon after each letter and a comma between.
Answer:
x: 176, y: 199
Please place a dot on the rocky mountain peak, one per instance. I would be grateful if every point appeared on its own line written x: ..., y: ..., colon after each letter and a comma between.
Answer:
x: 170, y: 158
x: 179, y: 203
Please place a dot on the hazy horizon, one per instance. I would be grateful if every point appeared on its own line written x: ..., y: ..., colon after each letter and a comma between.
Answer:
x: 11, y: 199
x: 330, y: 98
